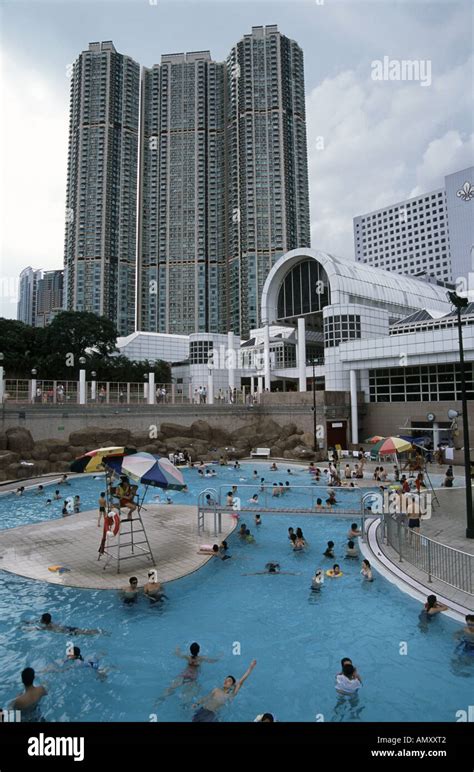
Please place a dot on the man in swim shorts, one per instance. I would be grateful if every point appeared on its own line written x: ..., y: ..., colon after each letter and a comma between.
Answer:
x: 130, y: 593
x: 220, y: 696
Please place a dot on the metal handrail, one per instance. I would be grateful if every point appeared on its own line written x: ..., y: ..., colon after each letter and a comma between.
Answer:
x: 447, y: 564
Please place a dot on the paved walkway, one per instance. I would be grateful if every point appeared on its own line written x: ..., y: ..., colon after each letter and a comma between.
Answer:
x: 74, y: 541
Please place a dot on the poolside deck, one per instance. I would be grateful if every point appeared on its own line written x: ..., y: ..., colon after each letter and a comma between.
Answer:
x: 74, y: 541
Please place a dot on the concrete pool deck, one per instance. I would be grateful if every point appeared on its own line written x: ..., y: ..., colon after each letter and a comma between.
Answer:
x: 74, y: 541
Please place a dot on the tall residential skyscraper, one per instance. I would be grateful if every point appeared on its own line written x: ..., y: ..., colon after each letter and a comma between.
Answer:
x: 182, y: 260
x: 267, y: 182
x: 27, y: 296
x: 100, y: 248
x: 49, y: 297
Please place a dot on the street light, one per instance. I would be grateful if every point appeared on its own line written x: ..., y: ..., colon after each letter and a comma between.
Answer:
x: 93, y: 386
x: 313, y: 362
x: 459, y: 303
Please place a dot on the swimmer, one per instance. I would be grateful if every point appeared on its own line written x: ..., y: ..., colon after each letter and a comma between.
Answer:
x: 336, y: 571
x: 77, y: 504
x: 432, y: 606
x: 28, y: 701
x: 319, y: 505
x: 287, y: 487
x: 258, y: 520
x: 351, y: 550
x: 57, y: 495
x: 264, y: 718
x: 329, y: 552
x: 64, y: 480
x: 65, y: 510
x: 249, y: 538
x: 353, y: 531
x: 348, y: 681
x: 46, y: 623
x: 242, y: 531
x: 318, y: 579
x: 153, y: 589
x: 366, y: 571
x: 254, y: 499
x: 210, y: 473
x: 262, y: 484
x: 40, y: 490
x: 200, y: 473
x: 230, y: 499
x: 208, y: 706
x: 20, y: 491
x: 48, y: 502
x: 189, y: 675
x: 290, y: 532
x: 275, y: 490
x: 331, y: 499
x: 168, y: 500
x: 466, y: 635
x: 255, y: 474
x: 236, y: 465
x: 130, y: 593
x: 273, y: 468
x: 74, y: 657
x: 210, y: 500
x: 297, y: 544
x: 288, y: 471
x: 223, y: 547
x: 271, y: 568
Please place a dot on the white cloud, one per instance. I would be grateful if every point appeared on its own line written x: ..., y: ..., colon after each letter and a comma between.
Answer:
x: 375, y: 135
x: 34, y: 157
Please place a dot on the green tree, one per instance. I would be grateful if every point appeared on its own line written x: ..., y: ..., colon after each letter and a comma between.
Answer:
x: 18, y: 345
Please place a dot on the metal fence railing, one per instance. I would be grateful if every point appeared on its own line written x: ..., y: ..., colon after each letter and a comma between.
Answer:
x: 61, y: 392
x: 437, y: 560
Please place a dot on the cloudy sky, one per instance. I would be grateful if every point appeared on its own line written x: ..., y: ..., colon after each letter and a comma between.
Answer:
x: 370, y: 142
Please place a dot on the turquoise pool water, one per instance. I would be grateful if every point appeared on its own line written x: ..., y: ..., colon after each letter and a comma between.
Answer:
x: 297, y: 637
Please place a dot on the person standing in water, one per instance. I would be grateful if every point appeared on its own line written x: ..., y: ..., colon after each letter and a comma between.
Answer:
x: 130, y: 593
x: 29, y: 700
x: 220, y: 696
x: 153, y: 589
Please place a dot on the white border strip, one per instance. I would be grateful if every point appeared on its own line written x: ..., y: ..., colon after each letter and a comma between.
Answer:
x: 397, y: 576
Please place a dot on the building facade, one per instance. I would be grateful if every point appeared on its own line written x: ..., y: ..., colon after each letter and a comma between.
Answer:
x: 49, y: 297
x: 182, y: 266
x: 431, y: 234
x: 268, y: 200
x: 100, y: 248
x: 27, y: 296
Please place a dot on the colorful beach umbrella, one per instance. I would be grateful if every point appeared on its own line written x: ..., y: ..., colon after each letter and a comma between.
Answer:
x: 147, y: 469
x: 93, y: 460
x: 391, y: 445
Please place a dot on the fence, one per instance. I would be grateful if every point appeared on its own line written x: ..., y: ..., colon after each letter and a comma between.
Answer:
x: 447, y: 564
x: 60, y: 392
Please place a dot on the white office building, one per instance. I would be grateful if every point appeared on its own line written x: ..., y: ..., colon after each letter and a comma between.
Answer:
x: 430, y: 234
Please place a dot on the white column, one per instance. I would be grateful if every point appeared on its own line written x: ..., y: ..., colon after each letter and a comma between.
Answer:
x: 93, y: 390
x: 252, y: 384
x: 231, y: 359
x: 302, y: 353
x: 151, y: 388
x: 260, y: 384
x: 210, y: 387
x: 266, y: 356
x: 33, y: 389
x: 82, y: 387
x: 173, y: 393
x: 190, y: 392
x: 145, y: 391
x: 354, y: 411
x: 435, y: 435
x: 2, y: 385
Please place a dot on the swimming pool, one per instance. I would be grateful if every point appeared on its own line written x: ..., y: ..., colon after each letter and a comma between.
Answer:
x: 296, y: 636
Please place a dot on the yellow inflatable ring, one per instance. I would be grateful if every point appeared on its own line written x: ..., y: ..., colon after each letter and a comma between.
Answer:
x: 331, y: 573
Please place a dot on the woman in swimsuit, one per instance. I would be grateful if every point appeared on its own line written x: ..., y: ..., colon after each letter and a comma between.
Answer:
x: 190, y: 673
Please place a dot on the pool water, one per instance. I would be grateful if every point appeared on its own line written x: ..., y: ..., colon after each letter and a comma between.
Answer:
x: 297, y: 637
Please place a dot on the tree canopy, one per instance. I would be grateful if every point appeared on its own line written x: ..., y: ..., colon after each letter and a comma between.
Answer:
x: 54, y: 351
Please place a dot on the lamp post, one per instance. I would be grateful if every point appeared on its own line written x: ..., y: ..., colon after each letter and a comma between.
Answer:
x: 93, y: 386
x: 2, y: 387
x: 145, y: 388
x: 33, y: 384
x: 313, y: 363
x: 82, y: 381
x: 459, y: 303
x: 210, y: 386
